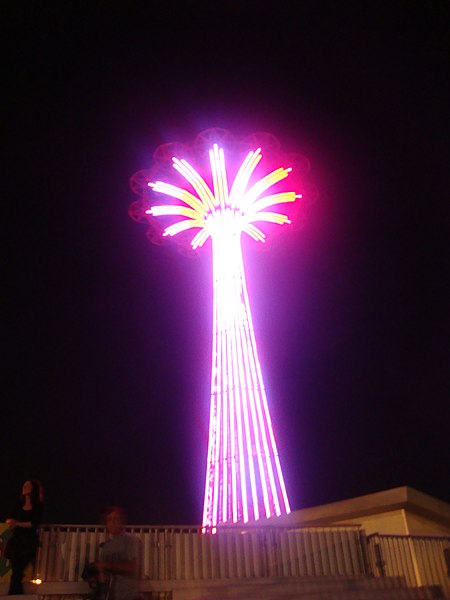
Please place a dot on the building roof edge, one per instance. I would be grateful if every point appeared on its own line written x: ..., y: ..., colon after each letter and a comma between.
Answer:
x: 402, y: 497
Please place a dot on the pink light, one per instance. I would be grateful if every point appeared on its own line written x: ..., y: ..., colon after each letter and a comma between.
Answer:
x: 240, y: 384
x: 243, y: 473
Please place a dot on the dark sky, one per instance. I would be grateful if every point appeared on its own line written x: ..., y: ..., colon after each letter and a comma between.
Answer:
x: 106, y: 387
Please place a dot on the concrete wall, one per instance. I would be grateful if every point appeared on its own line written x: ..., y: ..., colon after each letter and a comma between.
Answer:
x: 400, y: 511
x: 390, y: 522
x: 419, y: 525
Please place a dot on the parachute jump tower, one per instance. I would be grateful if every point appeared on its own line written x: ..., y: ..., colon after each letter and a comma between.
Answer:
x: 244, y: 480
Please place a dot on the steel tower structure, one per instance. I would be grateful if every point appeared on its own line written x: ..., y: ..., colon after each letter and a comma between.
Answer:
x: 244, y: 480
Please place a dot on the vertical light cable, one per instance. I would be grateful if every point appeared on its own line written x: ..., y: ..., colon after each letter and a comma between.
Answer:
x: 244, y: 393
x: 274, y: 454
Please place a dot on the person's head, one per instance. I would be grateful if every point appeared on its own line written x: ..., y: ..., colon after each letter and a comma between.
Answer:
x: 114, y: 519
x: 33, y: 489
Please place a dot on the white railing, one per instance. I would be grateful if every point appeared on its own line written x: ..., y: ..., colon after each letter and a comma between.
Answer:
x: 184, y: 553
x: 174, y: 556
x: 422, y: 560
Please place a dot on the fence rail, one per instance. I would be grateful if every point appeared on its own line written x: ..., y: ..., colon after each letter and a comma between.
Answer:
x: 183, y: 553
x: 422, y: 560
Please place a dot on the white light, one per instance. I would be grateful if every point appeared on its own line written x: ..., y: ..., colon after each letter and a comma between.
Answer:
x: 243, y: 472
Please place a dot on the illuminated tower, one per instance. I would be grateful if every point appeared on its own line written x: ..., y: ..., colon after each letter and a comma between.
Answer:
x: 244, y: 480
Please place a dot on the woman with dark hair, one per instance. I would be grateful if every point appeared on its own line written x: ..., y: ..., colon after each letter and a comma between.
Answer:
x: 24, y: 521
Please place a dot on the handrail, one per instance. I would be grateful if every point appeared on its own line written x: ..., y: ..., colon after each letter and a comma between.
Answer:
x: 179, y: 552
x: 182, y: 555
x: 420, y: 559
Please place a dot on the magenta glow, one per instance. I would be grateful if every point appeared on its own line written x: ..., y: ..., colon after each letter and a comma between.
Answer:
x: 244, y: 480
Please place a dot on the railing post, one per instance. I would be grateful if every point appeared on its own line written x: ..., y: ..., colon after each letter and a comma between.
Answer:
x: 379, y: 560
x: 447, y: 560
x: 364, y: 545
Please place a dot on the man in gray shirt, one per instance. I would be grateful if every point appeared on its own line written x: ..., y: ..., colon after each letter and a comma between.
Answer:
x: 120, y: 557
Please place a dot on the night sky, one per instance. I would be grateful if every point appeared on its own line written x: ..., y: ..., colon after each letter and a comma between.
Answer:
x: 107, y: 336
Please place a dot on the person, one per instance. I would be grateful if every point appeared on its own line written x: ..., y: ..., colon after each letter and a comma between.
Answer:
x: 24, y: 522
x: 119, y: 563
